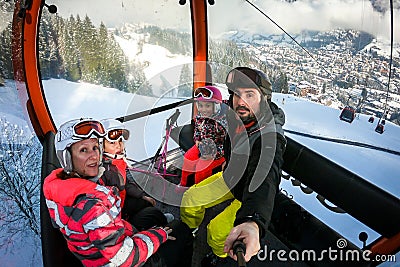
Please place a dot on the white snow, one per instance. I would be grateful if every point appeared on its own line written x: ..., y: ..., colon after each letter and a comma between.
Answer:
x: 161, y: 64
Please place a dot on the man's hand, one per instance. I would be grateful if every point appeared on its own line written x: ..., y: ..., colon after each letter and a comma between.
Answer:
x: 150, y: 199
x: 249, y: 233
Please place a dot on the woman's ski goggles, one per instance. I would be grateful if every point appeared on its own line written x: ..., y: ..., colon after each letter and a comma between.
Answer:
x: 85, y: 128
x: 117, y: 134
x: 204, y: 92
x: 243, y: 77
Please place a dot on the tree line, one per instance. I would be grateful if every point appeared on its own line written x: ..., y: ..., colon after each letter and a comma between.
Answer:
x: 227, y: 55
x: 74, y: 49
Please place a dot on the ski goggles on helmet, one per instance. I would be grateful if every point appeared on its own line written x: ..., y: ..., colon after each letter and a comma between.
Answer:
x: 204, y: 92
x: 82, y: 129
x: 243, y: 77
x: 117, y: 134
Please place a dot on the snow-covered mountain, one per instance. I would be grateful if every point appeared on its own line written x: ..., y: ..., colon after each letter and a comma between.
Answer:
x: 383, y: 6
x: 379, y: 5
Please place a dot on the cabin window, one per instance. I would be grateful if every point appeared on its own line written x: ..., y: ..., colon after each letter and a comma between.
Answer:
x: 111, y: 59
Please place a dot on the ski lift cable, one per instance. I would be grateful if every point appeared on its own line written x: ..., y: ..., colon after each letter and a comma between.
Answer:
x: 390, y: 60
x: 345, y: 142
x: 293, y: 39
x: 362, y: 21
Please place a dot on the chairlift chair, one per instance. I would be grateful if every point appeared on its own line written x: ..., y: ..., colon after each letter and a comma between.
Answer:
x: 347, y: 114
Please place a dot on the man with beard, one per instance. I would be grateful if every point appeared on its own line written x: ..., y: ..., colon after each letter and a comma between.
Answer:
x: 254, y: 155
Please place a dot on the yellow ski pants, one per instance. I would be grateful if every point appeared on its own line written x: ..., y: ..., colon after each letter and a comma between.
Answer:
x: 206, y: 194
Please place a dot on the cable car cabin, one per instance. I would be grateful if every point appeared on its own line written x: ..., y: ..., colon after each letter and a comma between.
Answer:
x: 371, y: 119
x: 198, y: 23
x: 348, y: 114
x: 380, y: 128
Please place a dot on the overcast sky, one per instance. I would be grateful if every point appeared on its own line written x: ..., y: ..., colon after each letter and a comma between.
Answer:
x: 238, y: 14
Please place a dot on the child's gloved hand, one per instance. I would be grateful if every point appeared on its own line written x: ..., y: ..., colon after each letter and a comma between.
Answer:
x: 207, y: 149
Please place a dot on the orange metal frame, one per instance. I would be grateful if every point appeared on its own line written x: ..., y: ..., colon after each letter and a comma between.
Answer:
x: 200, y: 41
x: 26, y: 68
x: 200, y: 45
x: 386, y: 246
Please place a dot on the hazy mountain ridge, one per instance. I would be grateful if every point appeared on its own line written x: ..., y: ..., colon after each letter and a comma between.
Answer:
x: 383, y: 5
x: 350, y: 39
x: 379, y: 5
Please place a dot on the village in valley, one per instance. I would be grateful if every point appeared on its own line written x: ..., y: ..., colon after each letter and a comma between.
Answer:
x: 336, y: 74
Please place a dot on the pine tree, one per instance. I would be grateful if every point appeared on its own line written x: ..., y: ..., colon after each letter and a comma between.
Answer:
x: 140, y: 84
x: 69, y: 50
x: 87, y: 45
x: 6, y: 69
x: 185, y: 81
x: 284, y: 83
x: 113, y: 64
x: 228, y: 55
x: 104, y: 55
x: 49, y: 56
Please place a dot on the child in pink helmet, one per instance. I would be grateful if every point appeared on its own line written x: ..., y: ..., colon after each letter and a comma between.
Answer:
x: 207, y: 155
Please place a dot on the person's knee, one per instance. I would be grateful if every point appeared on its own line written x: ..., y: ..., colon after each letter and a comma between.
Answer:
x: 177, y: 225
x: 216, y: 236
x: 181, y: 230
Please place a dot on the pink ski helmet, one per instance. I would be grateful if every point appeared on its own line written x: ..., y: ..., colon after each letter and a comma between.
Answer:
x: 209, y: 93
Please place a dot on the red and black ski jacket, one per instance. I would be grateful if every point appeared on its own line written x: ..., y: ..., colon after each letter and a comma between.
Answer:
x: 89, y: 217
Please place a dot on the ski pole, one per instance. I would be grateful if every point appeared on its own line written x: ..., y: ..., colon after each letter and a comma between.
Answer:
x: 239, y: 249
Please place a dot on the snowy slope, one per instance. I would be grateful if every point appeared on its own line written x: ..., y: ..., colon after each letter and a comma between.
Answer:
x: 9, y: 102
x: 10, y: 108
x: 159, y: 61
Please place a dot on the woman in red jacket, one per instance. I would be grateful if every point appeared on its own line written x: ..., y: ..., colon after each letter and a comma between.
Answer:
x: 89, y: 215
